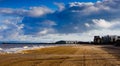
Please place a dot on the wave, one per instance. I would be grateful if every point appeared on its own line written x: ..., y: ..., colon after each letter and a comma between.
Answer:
x: 15, y: 48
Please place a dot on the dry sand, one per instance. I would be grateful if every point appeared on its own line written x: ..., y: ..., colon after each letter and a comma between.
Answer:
x: 77, y: 55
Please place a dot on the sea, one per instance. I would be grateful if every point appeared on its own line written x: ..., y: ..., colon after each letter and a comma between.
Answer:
x: 16, y: 48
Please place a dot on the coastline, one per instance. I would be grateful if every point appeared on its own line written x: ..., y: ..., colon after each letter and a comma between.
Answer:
x: 19, y: 49
x: 74, y: 55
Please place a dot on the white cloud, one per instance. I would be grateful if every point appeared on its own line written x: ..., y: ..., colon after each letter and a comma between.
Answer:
x: 52, y: 37
x: 3, y: 27
x: 83, y: 7
x: 6, y: 10
x: 32, y: 11
x: 88, y: 8
x: 39, y: 11
x: 10, y: 27
x: 72, y: 4
x: 103, y: 32
x: 87, y: 24
x: 77, y: 14
x: 105, y: 24
x: 11, y: 11
x: 61, y: 6
x: 46, y: 31
x: 102, y: 23
x: 48, y: 23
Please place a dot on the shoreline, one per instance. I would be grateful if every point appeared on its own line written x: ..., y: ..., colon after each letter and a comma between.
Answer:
x: 67, y: 55
x: 34, y: 47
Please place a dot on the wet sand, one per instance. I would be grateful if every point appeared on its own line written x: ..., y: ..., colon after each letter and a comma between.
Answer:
x: 76, y: 55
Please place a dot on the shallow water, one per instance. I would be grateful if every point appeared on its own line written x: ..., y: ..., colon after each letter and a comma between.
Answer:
x: 14, y: 48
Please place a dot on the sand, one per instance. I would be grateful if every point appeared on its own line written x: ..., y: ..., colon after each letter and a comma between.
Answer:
x: 76, y: 55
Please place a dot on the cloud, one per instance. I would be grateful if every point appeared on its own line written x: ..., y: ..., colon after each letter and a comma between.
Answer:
x: 46, y: 31
x: 11, y: 11
x: 105, y: 24
x: 47, y: 28
x: 32, y: 11
x: 102, y: 32
x: 88, y: 8
x: 48, y: 23
x: 3, y: 27
x: 39, y: 11
x: 60, y: 6
x: 72, y: 21
x: 80, y: 4
x: 11, y: 27
x: 87, y: 24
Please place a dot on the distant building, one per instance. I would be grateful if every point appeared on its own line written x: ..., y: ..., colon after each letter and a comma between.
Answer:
x: 97, y: 39
x: 117, y: 43
x: 71, y: 42
x: 109, y: 39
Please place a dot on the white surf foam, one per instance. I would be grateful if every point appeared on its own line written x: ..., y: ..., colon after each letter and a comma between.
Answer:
x: 25, y: 47
x: 1, y: 49
x: 19, y: 49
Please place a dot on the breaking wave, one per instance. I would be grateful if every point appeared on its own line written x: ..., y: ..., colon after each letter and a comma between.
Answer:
x: 16, y: 48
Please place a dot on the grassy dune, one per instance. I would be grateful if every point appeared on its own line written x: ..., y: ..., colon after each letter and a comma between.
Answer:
x: 81, y: 55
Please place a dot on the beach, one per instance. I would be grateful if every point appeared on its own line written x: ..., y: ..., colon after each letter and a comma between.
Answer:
x: 64, y: 55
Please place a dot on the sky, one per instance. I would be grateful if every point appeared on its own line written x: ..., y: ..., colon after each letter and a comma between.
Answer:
x: 53, y: 20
